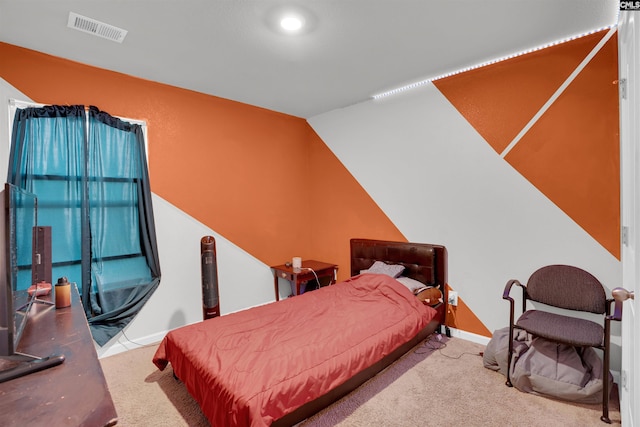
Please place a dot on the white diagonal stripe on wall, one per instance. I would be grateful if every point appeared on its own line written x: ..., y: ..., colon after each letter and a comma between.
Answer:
x: 558, y: 92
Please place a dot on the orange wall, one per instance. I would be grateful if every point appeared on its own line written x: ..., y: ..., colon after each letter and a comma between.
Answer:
x: 263, y: 180
x: 571, y: 154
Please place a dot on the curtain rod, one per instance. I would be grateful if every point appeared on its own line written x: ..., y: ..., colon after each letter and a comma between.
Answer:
x: 18, y: 103
x: 27, y: 104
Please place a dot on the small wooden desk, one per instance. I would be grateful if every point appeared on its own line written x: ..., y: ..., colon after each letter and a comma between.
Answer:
x: 297, y: 276
x: 74, y: 393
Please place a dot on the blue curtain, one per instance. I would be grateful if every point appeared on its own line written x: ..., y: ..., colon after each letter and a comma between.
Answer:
x: 93, y: 190
x: 48, y: 159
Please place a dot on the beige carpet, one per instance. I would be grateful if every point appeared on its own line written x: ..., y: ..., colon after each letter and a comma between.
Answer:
x: 437, y: 384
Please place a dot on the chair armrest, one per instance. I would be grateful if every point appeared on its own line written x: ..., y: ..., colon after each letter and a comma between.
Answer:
x: 507, y: 289
x: 505, y: 295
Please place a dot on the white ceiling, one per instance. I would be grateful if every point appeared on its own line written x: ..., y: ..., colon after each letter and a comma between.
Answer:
x: 353, y: 49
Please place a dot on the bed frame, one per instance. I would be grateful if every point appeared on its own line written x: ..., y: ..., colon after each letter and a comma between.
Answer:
x: 423, y: 262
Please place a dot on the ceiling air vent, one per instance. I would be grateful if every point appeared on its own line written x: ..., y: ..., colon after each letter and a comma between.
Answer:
x: 97, y: 28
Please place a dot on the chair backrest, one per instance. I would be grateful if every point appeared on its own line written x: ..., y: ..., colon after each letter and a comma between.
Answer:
x: 567, y: 287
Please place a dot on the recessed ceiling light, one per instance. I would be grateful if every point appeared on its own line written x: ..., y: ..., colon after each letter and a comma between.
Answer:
x: 291, y: 20
x: 291, y: 23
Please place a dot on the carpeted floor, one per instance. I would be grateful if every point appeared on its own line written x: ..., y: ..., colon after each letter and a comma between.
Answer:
x: 439, y: 383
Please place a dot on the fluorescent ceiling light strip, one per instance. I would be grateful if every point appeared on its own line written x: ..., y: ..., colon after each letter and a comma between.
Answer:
x: 558, y: 92
x: 473, y: 67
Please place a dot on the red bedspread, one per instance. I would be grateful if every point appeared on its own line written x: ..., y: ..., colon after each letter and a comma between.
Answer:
x: 252, y: 367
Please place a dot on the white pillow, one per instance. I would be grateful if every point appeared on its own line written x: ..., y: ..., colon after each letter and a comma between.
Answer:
x: 379, y: 267
x: 410, y: 283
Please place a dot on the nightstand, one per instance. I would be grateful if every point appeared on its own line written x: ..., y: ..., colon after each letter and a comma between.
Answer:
x: 295, y: 277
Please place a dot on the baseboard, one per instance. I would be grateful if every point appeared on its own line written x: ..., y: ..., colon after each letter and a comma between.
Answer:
x: 121, y: 343
x: 616, y: 378
x: 478, y: 339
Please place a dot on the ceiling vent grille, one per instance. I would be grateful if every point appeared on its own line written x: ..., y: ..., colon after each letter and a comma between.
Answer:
x: 97, y: 28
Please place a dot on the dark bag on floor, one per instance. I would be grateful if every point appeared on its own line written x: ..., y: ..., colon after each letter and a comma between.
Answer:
x: 547, y: 368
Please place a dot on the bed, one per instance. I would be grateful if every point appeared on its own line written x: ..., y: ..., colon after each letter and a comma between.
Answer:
x: 279, y: 363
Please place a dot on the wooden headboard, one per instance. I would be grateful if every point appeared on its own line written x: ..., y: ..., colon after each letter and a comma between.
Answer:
x: 424, y: 262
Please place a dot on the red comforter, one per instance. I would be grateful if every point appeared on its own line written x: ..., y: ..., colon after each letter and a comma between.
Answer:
x: 252, y: 367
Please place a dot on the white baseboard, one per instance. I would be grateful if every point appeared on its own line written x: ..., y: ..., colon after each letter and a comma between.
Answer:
x: 478, y: 339
x: 120, y: 343
x: 616, y: 377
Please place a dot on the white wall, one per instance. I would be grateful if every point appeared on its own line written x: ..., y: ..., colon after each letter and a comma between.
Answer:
x: 6, y: 92
x: 440, y: 182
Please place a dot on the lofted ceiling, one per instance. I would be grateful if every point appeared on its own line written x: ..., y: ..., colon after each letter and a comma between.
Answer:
x: 349, y: 51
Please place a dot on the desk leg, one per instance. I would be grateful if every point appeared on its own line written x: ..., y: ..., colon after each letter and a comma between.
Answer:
x: 275, y: 287
x: 293, y: 287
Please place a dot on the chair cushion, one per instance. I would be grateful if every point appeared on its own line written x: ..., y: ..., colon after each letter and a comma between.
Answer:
x: 566, y: 329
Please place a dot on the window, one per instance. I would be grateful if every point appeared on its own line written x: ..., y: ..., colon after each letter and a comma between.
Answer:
x: 89, y: 172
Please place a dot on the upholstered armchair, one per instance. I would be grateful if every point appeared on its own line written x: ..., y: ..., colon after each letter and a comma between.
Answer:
x: 573, y: 290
